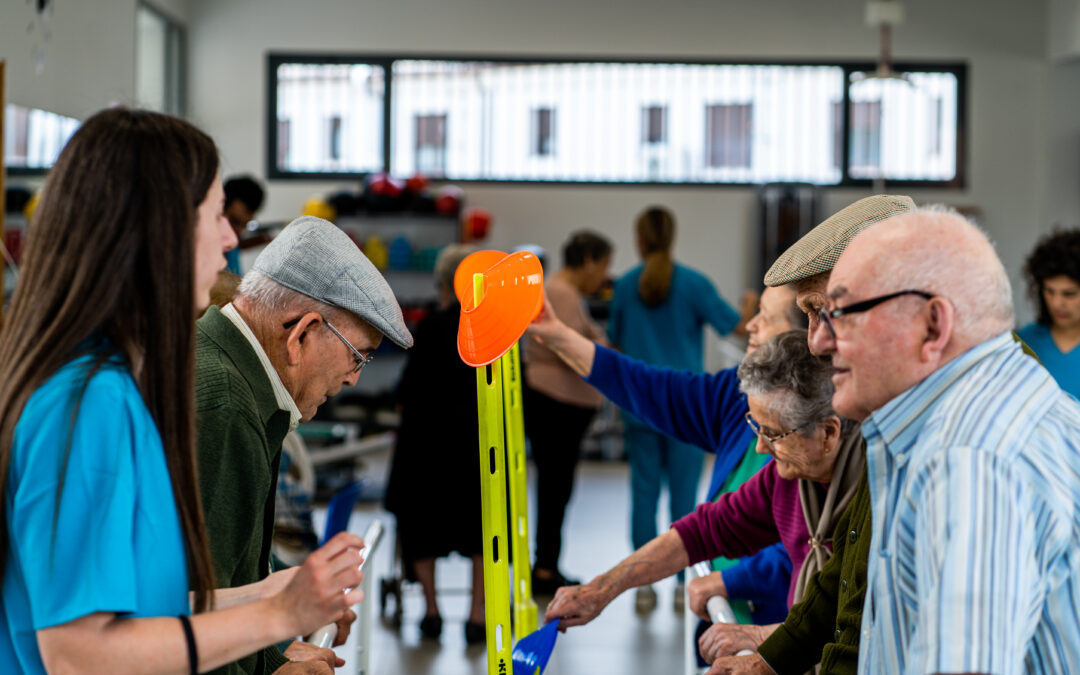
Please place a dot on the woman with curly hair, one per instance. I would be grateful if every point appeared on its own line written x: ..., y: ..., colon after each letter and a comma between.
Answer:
x: 1053, y: 274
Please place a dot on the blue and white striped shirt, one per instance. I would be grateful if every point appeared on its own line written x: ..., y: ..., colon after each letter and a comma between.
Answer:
x: 975, y: 558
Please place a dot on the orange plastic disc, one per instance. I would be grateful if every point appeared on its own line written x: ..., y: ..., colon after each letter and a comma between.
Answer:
x: 513, y: 297
x: 480, y: 261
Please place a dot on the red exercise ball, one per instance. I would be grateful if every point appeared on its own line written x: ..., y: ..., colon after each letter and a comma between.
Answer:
x: 448, y: 200
x: 416, y: 184
x: 384, y: 185
x: 475, y: 223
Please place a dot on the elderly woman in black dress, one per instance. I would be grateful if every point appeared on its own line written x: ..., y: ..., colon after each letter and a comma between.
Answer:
x: 436, y: 460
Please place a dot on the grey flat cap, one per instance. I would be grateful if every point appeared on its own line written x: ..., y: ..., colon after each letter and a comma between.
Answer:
x: 820, y: 248
x: 314, y: 257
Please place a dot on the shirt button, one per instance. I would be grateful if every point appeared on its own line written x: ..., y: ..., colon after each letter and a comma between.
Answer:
x: 837, y: 635
x: 852, y: 536
x: 843, y: 585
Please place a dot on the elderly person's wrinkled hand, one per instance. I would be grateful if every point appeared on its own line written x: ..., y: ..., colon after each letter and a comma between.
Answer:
x: 344, y: 625
x: 305, y: 651
x: 725, y: 639
x: 751, y: 664
x: 576, y: 605
x: 700, y: 589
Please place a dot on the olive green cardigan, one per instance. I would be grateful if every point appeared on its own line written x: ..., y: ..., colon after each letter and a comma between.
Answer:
x: 825, y: 625
x: 239, y: 429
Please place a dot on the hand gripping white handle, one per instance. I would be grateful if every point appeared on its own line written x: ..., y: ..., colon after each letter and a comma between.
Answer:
x: 324, y: 637
x: 717, y: 607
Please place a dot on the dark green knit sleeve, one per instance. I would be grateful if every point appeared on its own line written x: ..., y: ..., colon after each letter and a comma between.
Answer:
x: 795, y: 646
x: 231, y: 487
x: 272, y: 660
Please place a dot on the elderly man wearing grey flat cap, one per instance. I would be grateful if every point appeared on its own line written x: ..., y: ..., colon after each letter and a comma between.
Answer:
x: 303, y: 324
x: 824, y: 626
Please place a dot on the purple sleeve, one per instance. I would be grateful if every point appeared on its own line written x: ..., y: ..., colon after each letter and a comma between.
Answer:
x: 738, y: 524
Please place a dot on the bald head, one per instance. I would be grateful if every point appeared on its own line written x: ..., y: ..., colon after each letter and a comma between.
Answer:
x: 937, y: 250
x: 889, y: 340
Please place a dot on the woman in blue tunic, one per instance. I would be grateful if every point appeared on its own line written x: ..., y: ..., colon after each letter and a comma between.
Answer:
x: 102, y: 529
x: 1053, y: 274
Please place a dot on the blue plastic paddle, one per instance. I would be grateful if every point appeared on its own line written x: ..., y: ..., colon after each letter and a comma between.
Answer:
x: 533, y: 650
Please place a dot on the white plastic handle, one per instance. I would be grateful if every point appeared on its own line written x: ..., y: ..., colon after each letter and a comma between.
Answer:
x: 717, y: 607
x: 325, y: 636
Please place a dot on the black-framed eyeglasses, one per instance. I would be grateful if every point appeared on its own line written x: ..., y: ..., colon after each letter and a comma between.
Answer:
x: 827, y: 315
x: 770, y: 439
x: 361, y: 360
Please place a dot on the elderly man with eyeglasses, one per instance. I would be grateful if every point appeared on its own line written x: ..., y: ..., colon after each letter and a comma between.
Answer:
x: 302, y: 326
x: 973, y: 454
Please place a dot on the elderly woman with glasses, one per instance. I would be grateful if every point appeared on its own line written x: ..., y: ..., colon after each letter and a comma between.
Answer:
x: 794, y: 499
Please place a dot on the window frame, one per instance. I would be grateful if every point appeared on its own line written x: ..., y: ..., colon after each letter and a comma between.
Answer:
x: 30, y: 171
x: 959, y: 69
x: 176, y: 57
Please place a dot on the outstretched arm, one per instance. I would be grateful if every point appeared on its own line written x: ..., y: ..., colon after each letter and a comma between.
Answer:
x: 576, y: 350
x: 660, y: 558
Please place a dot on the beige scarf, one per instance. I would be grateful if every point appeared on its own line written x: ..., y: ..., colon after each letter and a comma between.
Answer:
x: 821, y: 515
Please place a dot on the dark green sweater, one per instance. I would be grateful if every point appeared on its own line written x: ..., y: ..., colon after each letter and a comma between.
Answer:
x: 825, y: 625
x: 239, y: 429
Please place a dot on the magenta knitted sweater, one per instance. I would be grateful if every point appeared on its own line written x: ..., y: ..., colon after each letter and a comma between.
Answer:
x: 764, y: 510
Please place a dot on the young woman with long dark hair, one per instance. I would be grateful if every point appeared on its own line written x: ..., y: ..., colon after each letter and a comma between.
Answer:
x: 102, y: 533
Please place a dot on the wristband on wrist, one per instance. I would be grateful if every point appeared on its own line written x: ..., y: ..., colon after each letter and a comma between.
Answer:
x: 192, y: 651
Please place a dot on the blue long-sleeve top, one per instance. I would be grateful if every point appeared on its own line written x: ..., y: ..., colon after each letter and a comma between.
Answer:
x: 706, y: 410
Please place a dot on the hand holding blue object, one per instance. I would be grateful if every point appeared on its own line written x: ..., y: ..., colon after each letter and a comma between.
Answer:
x: 534, y: 650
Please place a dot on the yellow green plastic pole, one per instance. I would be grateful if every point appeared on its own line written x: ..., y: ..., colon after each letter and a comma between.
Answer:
x: 525, y: 613
x: 493, y: 504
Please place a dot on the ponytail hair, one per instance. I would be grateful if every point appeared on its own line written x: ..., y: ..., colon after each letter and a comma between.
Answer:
x: 656, y: 232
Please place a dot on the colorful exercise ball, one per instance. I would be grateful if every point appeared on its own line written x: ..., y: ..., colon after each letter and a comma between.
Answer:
x: 31, y: 204
x: 448, y: 200
x: 475, y: 223
x: 416, y: 183
x: 384, y: 185
x: 320, y: 208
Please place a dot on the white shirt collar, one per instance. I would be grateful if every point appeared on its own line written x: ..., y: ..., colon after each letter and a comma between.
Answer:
x: 284, y: 398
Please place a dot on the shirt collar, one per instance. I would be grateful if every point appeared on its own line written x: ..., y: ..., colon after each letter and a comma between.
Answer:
x: 899, y: 421
x: 284, y: 398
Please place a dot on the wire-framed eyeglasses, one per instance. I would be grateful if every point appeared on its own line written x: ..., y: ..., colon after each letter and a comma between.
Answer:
x: 360, y: 359
x: 770, y: 439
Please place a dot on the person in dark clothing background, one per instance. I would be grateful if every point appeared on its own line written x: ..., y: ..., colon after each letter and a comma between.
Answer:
x: 437, y: 455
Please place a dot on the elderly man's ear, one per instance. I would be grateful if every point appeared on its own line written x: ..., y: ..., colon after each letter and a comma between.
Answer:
x: 940, y: 317
x: 299, y: 337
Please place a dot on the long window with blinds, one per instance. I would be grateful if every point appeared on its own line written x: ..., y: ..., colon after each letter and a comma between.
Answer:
x: 615, y: 122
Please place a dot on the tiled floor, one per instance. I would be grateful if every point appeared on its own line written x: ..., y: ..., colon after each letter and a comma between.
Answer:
x: 596, y: 537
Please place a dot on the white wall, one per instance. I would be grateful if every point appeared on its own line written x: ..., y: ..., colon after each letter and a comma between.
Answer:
x: 89, y: 64
x: 1063, y: 135
x: 1063, y: 29
x: 89, y: 50
x: 1003, y: 41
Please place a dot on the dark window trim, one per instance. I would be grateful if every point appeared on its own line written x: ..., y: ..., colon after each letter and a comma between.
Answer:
x: 273, y: 59
x: 176, y: 30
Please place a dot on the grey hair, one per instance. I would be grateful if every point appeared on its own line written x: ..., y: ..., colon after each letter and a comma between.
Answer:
x: 982, y: 295
x: 447, y: 262
x: 269, y: 298
x: 796, y: 384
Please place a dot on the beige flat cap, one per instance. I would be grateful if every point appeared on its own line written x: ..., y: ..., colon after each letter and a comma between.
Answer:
x: 820, y: 248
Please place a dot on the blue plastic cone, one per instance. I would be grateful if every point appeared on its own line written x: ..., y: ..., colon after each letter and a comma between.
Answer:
x: 534, y: 650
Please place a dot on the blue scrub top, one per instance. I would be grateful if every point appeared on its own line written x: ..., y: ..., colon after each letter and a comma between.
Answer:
x: 232, y: 261
x: 671, y: 333
x: 1064, y: 367
x: 116, y: 545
